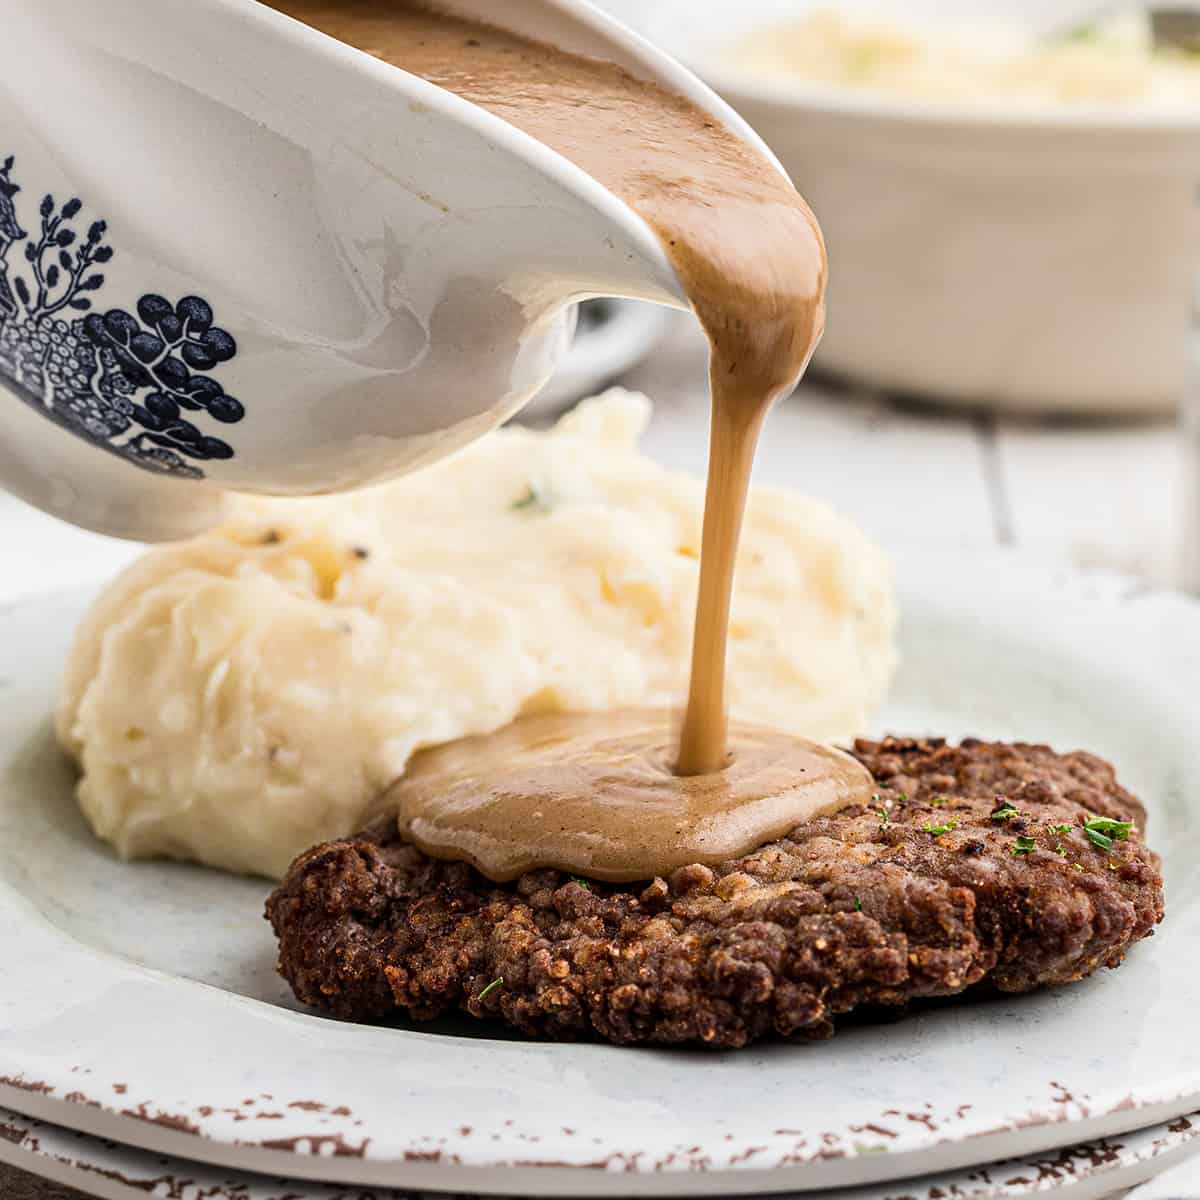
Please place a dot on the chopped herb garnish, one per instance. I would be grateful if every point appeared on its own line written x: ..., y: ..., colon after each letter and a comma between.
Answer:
x: 903, y: 797
x: 583, y: 883
x: 1023, y: 845
x: 491, y: 987
x: 1060, y: 828
x: 938, y: 830
x: 1007, y: 813
x: 1104, y: 831
x: 534, y: 498
x: 1118, y: 831
x: 1078, y: 866
x: 870, y: 1148
x: 857, y: 904
x: 938, y: 801
x: 1060, y: 850
x: 884, y: 818
x: 1085, y: 32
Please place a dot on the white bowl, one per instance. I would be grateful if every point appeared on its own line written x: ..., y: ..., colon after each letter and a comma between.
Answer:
x: 1019, y: 257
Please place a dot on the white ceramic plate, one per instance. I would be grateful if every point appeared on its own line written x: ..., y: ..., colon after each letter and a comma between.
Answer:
x: 138, y: 1002
x: 1087, y: 1171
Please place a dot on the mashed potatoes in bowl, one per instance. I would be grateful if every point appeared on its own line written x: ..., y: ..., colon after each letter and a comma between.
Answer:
x: 1010, y: 223
x: 239, y: 697
x: 964, y: 63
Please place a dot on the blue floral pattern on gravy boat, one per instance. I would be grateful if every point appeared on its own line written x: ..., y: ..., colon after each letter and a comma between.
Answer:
x: 120, y: 380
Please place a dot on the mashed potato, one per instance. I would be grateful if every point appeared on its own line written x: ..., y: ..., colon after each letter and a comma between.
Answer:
x: 241, y: 696
x: 1113, y: 62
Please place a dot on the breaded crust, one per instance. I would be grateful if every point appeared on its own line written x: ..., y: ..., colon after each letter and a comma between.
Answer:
x: 926, y: 893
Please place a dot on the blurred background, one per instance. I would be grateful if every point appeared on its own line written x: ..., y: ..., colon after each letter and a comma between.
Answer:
x: 1008, y: 191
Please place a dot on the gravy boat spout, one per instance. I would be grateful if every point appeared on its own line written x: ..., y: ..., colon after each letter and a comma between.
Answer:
x: 239, y: 255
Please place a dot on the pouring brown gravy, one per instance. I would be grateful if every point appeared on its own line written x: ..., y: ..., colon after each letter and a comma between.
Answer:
x: 604, y: 795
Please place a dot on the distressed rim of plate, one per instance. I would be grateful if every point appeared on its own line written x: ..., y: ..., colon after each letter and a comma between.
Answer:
x: 108, y: 1169
x: 324, y: 1141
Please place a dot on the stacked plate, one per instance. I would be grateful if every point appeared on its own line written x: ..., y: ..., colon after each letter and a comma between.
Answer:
x: 139, y: 1002
x: 1102, y: 1168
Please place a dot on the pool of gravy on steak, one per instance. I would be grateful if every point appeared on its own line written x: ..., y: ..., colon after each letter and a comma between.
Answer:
x: 750, y: 256
x: 597, y: 793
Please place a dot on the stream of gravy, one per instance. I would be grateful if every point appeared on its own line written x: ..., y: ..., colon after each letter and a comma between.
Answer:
x: 750, y: 257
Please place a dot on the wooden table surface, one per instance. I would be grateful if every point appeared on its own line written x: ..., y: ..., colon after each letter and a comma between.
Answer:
x: 17, y: 1185
x: 1070, y: 491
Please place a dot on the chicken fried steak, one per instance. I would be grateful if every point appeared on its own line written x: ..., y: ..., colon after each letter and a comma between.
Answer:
x: 984, y: 862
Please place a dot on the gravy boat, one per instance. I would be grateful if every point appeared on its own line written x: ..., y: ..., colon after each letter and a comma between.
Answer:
x: 238, y: 255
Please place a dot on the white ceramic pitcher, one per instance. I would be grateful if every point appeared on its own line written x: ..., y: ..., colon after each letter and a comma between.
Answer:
x: 239, y: 255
